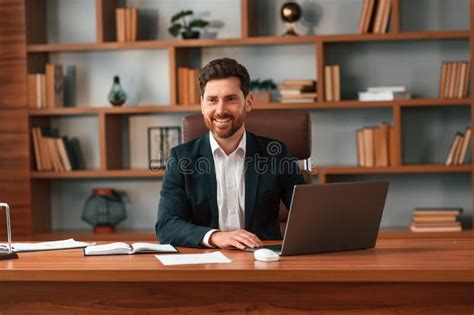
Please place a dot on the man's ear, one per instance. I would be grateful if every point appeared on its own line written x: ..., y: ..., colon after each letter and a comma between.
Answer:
x: 249, y: 102
x: 202, y: 105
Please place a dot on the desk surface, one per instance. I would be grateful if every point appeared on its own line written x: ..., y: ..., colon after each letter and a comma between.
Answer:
x: 398, y: 260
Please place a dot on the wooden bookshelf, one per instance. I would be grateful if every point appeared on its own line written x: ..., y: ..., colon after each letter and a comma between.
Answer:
x: 98, y: 174
x: 150, y: 109
x: 249, y: 41
x: 325, y: 170
x: 33, y: 52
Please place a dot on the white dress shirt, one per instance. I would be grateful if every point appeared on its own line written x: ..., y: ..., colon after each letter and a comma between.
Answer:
x: 230, y: 179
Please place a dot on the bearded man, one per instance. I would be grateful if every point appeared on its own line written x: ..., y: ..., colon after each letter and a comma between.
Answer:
x: 224, y: 188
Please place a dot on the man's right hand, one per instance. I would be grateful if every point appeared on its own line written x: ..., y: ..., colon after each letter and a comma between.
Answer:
x: 239, y: 239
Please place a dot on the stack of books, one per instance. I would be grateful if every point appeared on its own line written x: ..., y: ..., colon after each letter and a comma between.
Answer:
x: 332, y: 83
x: 126, y: 22
x: 454, y: 79
x: 46, y: 90
x: 384, y: 93
x: 457, y: 154
x: 436, y: 220
x: 188, y: 86
x: 56, y: 153
x: 297, y: 91
x: 374, y: 16
x: 374, y: 146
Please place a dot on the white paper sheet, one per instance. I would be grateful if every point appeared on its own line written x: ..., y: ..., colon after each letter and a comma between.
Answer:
x: 186, y: 259
x: 64, y: 244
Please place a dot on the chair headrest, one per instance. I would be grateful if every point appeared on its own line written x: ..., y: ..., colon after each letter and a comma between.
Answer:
x: 290, y: 127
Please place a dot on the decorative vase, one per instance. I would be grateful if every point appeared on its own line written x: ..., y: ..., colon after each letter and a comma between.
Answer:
x: 189, y: 34
x: 117, y: 95
x: 104, y: 209
x: 290, y: 13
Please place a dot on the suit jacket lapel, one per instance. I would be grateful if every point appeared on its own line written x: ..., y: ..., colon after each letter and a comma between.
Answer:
x: 209, y: 179
x: 251, y: 178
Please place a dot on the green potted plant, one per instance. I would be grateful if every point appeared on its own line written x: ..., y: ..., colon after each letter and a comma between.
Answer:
x: 262, y: 90
x: 179, y: 22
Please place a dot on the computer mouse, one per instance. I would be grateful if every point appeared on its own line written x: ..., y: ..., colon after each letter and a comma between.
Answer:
x: 265, y: 254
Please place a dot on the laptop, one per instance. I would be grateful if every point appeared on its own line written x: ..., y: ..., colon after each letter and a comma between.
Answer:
x: 333, y: 217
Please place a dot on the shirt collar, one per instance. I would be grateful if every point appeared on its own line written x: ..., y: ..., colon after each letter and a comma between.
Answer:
x: 216, y: 147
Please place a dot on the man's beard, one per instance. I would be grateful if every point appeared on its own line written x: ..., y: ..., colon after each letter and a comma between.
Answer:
x: 233, y: 126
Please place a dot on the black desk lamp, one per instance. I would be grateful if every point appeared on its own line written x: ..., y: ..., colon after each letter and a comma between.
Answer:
x: 7, y: 252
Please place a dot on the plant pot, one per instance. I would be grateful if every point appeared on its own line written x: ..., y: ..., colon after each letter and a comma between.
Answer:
x: 261, y: 97
x: 190, y: 34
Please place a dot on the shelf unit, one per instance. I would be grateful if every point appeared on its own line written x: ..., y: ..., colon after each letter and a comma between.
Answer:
x: 110, y: 119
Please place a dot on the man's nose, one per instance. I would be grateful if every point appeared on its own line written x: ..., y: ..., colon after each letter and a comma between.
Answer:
x: 220, y: 108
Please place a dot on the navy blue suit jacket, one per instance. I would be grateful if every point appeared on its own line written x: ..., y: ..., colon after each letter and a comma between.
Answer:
x: 188, y: 204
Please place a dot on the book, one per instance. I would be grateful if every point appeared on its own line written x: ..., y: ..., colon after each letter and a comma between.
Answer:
x: 452, y: 149
x: 442, y: 80
x: 457, y: 150
x: 393, y: 155
x: 415, y: 228
x: 385, y: 16
x: 377, y: 29
x: 32, y: 91
x: 336, y: 82
x: 120, y: 24
x: 381, y: 137
x: 297, y: 100
x: 437, y: 218
x: 383, y: 96
x: 452, y: 79
x: 54, y: 85
x: 74, y: 148
x: 363, y: 16
x: 360, y: 147
x: 437, y: 224
x: 65, y: 162
x: 369, y: 146
x: 299, y: 82
x: 328, y: 90
x: 433, y: 211
x: 376, y: 89
x: 369, y: 17
x: 134, y: 26
x: 70, y: 87
x: 298, y: 96
x: 121, y: 248
x: 464, y: 145
x: 37, y: 148
x: 466, y: 81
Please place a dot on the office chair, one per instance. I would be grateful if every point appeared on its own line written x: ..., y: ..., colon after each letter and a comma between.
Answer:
x: 290, y: 127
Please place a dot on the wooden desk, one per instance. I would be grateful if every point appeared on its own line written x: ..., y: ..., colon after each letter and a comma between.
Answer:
x: 423, y: 276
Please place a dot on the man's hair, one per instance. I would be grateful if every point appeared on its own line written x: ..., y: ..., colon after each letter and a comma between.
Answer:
x: 222, y: 69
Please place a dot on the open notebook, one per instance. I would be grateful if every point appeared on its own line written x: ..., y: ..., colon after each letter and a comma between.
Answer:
x: 120, y: 248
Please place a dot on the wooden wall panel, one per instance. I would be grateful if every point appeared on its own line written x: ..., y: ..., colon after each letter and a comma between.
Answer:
x: 14, y: 139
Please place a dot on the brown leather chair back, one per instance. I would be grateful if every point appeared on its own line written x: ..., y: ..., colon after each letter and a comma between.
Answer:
x: 290, y: 127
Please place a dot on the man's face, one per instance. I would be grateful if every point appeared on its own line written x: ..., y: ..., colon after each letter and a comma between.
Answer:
x: 224, y: 106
